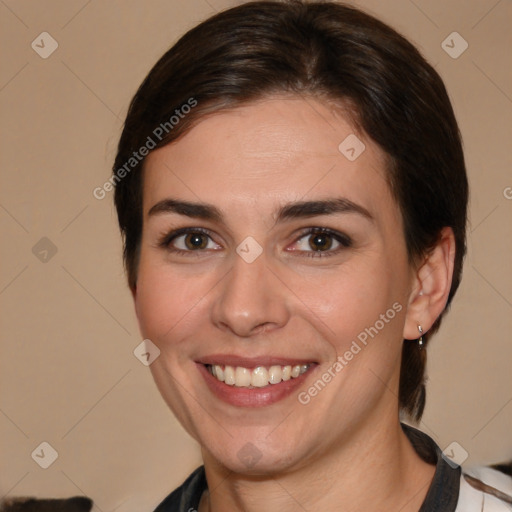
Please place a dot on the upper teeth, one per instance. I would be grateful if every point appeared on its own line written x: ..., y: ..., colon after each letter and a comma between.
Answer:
x: 257, y: 377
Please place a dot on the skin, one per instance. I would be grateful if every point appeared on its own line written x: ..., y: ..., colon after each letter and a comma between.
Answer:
x: 347, y: 440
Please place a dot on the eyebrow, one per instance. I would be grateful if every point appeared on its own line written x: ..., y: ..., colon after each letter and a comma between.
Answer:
x: 297, y: 210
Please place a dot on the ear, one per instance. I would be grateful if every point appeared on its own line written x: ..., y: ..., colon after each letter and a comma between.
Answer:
x: 431, y: 285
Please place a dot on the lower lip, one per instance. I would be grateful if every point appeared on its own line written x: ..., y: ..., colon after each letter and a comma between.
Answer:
x: 252, y: 397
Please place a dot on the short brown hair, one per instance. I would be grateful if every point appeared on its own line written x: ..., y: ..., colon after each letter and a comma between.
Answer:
x: 333, y: 52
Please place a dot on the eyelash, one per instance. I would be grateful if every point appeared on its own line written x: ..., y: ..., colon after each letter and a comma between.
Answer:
x: 344, y: 241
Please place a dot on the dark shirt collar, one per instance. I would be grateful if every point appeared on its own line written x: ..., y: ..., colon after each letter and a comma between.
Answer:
x: 443, y: 493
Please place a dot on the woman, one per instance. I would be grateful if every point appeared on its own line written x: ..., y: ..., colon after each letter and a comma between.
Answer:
x: 291, y: 188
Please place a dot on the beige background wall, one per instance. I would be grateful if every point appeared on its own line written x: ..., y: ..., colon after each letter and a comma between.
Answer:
x: 68, y: 373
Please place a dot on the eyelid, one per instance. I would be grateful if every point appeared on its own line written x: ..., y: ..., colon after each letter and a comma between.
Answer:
x: 344, y: 240
x: 340, y: 237
x: 168, y: 237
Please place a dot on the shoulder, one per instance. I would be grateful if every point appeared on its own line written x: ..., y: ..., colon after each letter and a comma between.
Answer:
x: 187, y: 496
x: 483, y: 489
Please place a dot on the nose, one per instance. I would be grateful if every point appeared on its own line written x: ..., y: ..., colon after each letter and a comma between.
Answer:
x: 251, y: 299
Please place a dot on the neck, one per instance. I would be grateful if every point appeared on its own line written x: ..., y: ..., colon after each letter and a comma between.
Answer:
x: 376, y: 469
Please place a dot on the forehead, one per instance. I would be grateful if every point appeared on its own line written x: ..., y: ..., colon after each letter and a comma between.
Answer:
x: 271, y: 151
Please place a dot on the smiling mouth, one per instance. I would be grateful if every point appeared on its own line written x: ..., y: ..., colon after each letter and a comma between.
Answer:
x: 259, y: 377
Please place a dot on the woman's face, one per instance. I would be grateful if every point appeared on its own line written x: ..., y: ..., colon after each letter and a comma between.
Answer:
x: 246, y: 290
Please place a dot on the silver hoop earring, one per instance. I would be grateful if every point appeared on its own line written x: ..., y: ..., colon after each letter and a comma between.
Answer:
x: 421, y: 343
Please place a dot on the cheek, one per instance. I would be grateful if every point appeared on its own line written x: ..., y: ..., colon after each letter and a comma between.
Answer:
x: 363, y: 309
x: 172, y: 304
x: 161, y: 301
x: 351, y: 297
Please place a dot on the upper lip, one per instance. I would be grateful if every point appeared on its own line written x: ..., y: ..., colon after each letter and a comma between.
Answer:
x: 251, y: 362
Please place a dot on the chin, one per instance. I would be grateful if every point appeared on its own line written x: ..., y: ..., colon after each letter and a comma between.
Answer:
x: 255, y: 456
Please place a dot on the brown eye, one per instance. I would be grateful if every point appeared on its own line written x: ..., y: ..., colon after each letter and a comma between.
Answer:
x: 196, y: 241
x: 320, y: 241
x: 188, y: 240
